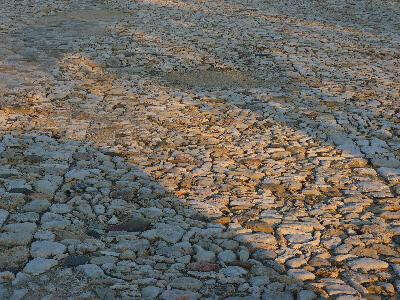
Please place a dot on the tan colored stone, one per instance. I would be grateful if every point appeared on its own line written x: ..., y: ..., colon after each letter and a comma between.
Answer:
x: 260, y: 227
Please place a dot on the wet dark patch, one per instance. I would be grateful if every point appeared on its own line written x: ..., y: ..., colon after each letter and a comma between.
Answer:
x: 75, y: 260
x: 94, y: 233
x: 6, y: 175
x: 134, y: 225
x: 21, y: 191
x: 35, y: 159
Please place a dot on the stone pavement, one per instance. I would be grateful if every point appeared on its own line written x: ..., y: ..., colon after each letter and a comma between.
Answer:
x: 199, y: 149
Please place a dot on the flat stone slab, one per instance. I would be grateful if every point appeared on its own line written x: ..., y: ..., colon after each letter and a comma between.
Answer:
x: 39, y: 265
x: 301, y: 274
x: 368, y: 264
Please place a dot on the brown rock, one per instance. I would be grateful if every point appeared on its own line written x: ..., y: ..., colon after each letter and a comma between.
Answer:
x: 223, y: 220
x: 329, y: 272
x: 278, y: 189
x: 364, y: 252
x: 258, y: 240
x: 252, y: 163
x: 375, y: 289
x: 391, y: 215
x: 240, y: 204
x: 319, y: 262
x: 280, y: 155
x: 260, y: 227
x: 384, y: 250
x: 357, y: 162
x: 204, y: 267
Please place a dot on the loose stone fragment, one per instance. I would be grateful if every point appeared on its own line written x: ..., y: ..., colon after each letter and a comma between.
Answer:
x: 39, y: 265
x: 301, y: 274
x: 175, y: 294
x: 277, y: 295
x: 150, y: 292
x: 169, y: 233
x: 306, y: 295
x: 37, y: 206
x: 15, y: 238
x: 45, y: 187
x: 340, y: 289
x: 296, y: 262
x: 227, y: 256
x: 46, y: 249
x: 91, y: 270
x: 187, y: 283
x: 368, y: 264
x: 233, y: 271
x: 134, y: 245
x: 204, y: 255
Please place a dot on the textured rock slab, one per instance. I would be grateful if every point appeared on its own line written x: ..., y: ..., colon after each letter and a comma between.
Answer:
x: 262, y: 240
x: 37, y: 206
x: 46, y: 249
x: 91, y: 270
x: 187, y: 283
x: 175, y: 294
x: 337, y: 289
x: 270, y: 295
x: 301, y: 274
x: 368, y: 264
x: 150, y: 292
x: 15, y: 238
x: 169, y: 233
x: 3, y: 216
x: 39, y: 265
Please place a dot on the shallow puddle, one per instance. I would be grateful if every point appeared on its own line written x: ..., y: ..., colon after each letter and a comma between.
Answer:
x: 56, y: 34
x: 94, y: 15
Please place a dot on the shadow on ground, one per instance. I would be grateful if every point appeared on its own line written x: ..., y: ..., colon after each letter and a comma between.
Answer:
x: 101, y: 210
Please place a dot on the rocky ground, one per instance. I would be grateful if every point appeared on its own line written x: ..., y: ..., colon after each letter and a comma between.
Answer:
x: 179, y: 150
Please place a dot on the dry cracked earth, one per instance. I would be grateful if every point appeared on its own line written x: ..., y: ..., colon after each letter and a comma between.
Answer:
x: 191, y: 149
